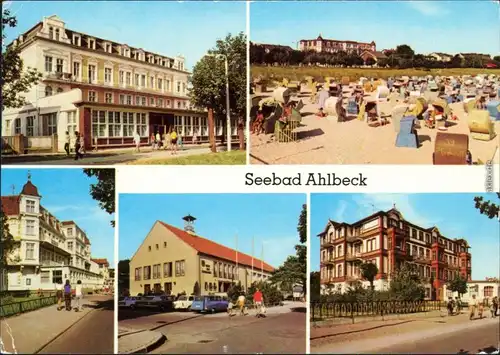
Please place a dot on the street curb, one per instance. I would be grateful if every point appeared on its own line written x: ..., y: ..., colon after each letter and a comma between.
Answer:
x: 361, y: 330
x: 143, y: 349
x: 62, y: 332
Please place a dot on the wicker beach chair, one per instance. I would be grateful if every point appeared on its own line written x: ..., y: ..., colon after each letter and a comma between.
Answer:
x: 480, y: 125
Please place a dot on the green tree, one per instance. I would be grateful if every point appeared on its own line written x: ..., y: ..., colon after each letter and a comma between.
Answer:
x: 15, y: 80
x: 404, y: 51
x: 272, y: 296
x: 496, y: 58
x: 458, y: 284
x: 7, y: 245
x: 369, y: 271
x: 209, y: 81
x: 315, y: 286
x: 488, y: 208
x: 406, y: 284
x: 234, y: 291
x: 104, y: 190
x: 124, y: 276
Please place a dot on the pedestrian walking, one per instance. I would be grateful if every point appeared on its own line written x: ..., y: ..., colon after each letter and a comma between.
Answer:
x: 173, y: 141
x: 78, y: 295
x: 472, y: 307
x: 230, y: 308
x: 67, y: 295
x: 153, y: 141
x: 494, y: 307
x: 68, y: 143
x: 195, y: 139
x: 137, y: 141
x: 257, y: 299
x: 59, y: 294
x: 82, y: 145
x: 241, y: 304
x: 158, y: 140
x: 180, y: 143
x: 450, y: 306
x: 78, y: 153
x: 481, y: 309
x: 458, y: 305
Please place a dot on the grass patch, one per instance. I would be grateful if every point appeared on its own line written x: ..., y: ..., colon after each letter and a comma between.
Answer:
x: 299, y: 73
x: 234, y: 157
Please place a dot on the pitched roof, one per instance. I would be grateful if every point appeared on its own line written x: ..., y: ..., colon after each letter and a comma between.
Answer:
x: 208, y: 247
x: 10, y: 205
x: 102, y: 261
x: 30, y: 189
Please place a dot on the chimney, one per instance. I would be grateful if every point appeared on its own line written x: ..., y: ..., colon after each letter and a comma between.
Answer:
x: 189, y: 223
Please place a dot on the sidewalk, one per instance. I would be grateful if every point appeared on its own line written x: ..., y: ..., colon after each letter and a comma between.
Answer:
x: 366, y: 337
x: 28, y: 332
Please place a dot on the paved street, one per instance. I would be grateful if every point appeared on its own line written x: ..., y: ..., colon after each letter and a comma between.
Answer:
x: 432, y: 335
x: 122, y: 156
x: 92, y: 335
x: 282, y: 331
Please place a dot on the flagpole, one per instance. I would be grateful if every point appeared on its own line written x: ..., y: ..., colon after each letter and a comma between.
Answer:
x: 251, y: 277
x: 262, y: 260
x: 237, y: 272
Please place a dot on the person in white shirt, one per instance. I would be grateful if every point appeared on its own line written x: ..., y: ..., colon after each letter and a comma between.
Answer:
x: 472, y: 307
x: 78, y: 295
x: 137, y: 141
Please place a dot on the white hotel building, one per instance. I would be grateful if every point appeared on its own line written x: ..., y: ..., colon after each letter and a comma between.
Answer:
x: 103, y: 89
x: 47, y: 250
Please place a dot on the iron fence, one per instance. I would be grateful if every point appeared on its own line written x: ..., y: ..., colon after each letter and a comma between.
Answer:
x: 10, y: 309
x: 331, y: 310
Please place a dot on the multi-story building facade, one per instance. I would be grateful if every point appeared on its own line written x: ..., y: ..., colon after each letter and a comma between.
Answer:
x: 333, y: 46
x: 106, y: 272
x: 174, y: 260
x: 482, y: 289
x: 388, y: 240
x: 44, y: 252
x: 105, y: 90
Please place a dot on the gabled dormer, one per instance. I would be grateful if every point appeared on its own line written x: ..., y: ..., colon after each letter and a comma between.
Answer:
x: 53, y: 28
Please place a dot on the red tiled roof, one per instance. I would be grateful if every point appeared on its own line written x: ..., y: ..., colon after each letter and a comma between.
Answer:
x: 30, y: 189
x: 10, y: 205
x: 208, y: 247
x: 101, y: 261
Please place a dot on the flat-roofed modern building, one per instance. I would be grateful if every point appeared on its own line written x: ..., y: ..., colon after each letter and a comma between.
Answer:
x: 174, y: 260
x: 333, y: 45
x: 388, y: 240
x: 103, y: 89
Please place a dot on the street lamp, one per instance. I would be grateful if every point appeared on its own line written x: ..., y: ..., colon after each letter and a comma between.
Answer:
x: 228, y: 114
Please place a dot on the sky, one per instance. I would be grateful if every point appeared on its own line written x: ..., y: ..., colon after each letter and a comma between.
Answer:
x: 453, y: 214
x: 66, y: 194
x: 271, y: 219
x: 426, y: 26
x: 168, y: 28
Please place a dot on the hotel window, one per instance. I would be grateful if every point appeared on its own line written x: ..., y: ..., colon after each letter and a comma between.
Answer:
x: 143, y: 80
x: 92, y: 96
x: 152, y: 82
x: 59, y: 65
x: 159, y: 83
x: 167, y: 269
x: 143, y: 101
x: 48, y: 64
x: 76, y: 70
x: 178, y: 104
x: 141, y: 124
x: 151, y: 101
x: 45, y: 277
x: 30, y: 126
x: 108, y: 48
x: 160, y: 102
x: 179, y: 268
x: 51, y: 33
x: 178, y: 86
x: 138, y: 274
x: 122, y: 99
x: 30, y: 206
x: 137, y: 100
x: 57, y: 34
x: 121, y: 77
x: 183, y: 87
x: 92, y: 73
x: 156, y: 271
x: 168, y: 103
x: 91, y: 44
x: 76, y: 40
x: 30, y: 227
x: 488, y: 291
x: 49, y: 124
x: 167, y: 85
x: 108, y: 75
x: 71, y: 124
x: 98, y: 123
x: 136, y: 82
x: 129, y: 99
x: 115, y: 127
x: 147, y: 272
x: 128, y: 124
x: 414, y: 250
x: 108, y: 98
x: 70, y: 245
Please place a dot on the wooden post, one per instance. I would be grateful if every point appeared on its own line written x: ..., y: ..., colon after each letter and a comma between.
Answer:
x: 211, y: 132
x: 241, y: 133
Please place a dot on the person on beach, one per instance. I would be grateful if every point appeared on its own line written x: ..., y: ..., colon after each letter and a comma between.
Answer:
x: 173, y: 141
x: 78, y: 295
x: 59, y: 294
x: 67, y: 295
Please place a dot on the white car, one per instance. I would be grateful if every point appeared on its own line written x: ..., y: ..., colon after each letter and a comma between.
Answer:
x: 128, y: 302
x: 184, y: 303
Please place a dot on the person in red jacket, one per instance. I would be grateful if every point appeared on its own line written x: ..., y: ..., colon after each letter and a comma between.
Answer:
x: 258, y: 299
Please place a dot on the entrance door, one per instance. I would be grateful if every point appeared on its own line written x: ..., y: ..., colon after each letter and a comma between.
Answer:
x: 147, y: 289
x: 157, y: 288
x: 168, y: 288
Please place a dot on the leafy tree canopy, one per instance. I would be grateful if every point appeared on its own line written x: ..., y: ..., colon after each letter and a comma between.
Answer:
x: 488, y: 208
x: 406, y: 284
x: 458, y: 284
x: 15, y: 80
x: 104, y: 190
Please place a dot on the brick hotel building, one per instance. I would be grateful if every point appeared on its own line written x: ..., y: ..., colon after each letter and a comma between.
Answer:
x: 103, y: 89
x: 388, y: 240
x: 332, y: 45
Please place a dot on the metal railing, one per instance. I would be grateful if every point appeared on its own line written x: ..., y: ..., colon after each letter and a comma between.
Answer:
x: 10, y: 309
x: 332, y: 310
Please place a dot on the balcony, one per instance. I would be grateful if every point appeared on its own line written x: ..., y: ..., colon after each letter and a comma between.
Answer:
x: 53, y: 263
x: 354, y: 239
x: 421, y: 259
x: 60, y: 76
x: 353, y: 278
x: 327, y: 243
x: 329, y: 260
x: 353, y: 256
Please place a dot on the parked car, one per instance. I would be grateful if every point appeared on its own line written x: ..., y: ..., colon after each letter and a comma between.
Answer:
x: 128, y: 302
x: 209, y: 304
x: 184, y: 302
x: 160, y: 302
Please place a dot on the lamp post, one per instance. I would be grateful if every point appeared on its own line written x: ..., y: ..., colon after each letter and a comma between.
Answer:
x: 228, y: 113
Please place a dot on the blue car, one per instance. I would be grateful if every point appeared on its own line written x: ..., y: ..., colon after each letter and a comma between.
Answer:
x: 210, y: 304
